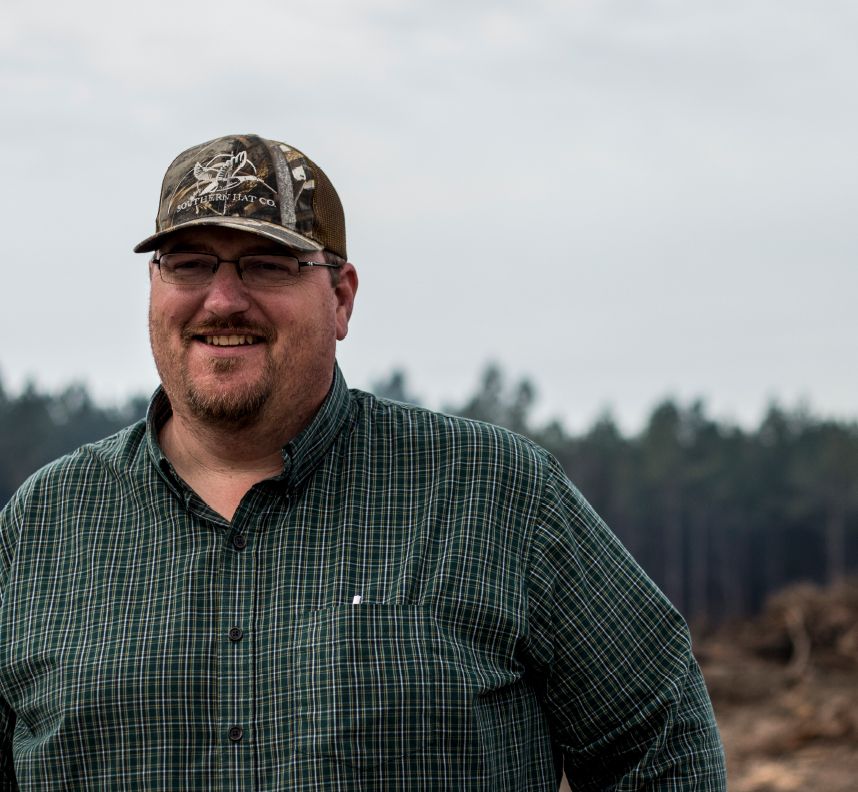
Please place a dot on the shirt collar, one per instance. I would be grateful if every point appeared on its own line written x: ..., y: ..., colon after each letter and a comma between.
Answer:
x: 156, y: 416
x: 301, y: 455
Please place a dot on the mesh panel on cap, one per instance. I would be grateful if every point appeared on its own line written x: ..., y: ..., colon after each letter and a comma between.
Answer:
x: 330, y: 224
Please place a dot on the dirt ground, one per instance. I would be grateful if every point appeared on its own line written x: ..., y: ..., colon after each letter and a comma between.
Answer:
x: 785, y: 690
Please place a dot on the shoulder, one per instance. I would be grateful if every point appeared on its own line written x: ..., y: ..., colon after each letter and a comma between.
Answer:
x: 88, y: 467
x: 417, y: 428
x: 478, y: 460
x: 49, y: 503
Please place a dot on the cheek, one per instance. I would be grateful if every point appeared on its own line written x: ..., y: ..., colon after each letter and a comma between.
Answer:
x: 165, y: 328
x: 309, y: 317
x: 158, y: 328
x: 309, y: 344
x: 168, y: 312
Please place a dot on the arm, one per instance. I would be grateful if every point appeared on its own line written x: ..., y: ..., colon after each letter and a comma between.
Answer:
x: 624, y: 696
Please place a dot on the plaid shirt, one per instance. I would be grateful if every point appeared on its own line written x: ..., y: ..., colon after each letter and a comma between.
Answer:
x: 416, y: 602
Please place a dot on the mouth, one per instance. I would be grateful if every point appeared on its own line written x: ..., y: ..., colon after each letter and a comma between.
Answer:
x: 233, y: 340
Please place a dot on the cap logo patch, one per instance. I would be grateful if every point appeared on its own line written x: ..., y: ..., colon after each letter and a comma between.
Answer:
x: 225, y: 178
x: 224, y: 172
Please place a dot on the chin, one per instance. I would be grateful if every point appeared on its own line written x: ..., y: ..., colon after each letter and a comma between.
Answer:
x: 227, y: 393
x: 226, y: 409
x: 219, y: 401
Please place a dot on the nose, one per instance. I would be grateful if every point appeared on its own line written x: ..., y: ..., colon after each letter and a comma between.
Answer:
x: 226, y: 294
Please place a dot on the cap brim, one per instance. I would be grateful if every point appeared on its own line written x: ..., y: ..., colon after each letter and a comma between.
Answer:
x: 261, y: 228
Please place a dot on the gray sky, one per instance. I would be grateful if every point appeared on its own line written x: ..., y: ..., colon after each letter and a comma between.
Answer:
x: 621, y: 199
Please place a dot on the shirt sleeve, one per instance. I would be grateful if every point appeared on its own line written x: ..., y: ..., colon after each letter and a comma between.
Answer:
x: 624, y: 696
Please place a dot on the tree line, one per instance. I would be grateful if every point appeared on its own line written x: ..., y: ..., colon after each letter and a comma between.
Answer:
x: 719, y: 516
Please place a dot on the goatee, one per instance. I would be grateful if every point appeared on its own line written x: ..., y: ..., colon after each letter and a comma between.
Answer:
x: 229, y: 408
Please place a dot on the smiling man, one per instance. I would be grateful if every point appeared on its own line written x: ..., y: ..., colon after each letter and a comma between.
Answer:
x: 245, y: 351
x: 277, y: 583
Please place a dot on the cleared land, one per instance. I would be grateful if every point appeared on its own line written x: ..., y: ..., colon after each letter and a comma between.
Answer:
x: 785, y: 691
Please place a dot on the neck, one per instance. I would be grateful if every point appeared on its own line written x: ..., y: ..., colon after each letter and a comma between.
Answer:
x: 222, y: 462
x: 191, y: 444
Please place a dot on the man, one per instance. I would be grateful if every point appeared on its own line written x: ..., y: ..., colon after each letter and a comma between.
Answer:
x: 275, y: 583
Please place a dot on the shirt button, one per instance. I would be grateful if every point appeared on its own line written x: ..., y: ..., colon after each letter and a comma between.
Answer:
x: 236, y: 733
x: 239, y: 541
x: 235, y: 634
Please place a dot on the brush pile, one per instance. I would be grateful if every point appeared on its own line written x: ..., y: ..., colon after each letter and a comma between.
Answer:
x: 785, y: 690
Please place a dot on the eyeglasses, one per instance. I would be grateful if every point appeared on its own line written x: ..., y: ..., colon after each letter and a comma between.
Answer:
x: 259, y: 270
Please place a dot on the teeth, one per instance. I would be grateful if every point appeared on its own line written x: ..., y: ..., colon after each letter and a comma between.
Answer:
x: 229, y: 340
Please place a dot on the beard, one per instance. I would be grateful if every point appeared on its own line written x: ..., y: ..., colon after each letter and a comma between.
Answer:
x: 235, y: 406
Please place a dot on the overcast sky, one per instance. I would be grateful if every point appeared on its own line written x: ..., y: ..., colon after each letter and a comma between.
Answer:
x: 620, y: 199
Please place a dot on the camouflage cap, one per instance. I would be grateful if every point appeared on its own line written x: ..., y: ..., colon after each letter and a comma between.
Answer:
x: 251, y: 184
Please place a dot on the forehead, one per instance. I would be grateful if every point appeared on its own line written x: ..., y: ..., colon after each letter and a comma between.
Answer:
x: 216, y: 239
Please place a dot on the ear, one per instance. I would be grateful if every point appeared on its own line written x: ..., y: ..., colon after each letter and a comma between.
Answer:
x: 345, y: 292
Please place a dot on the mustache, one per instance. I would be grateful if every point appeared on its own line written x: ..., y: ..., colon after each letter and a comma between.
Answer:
x: 227, y: 327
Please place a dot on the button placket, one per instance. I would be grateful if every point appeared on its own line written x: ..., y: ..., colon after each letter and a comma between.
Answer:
x: 235, y: 649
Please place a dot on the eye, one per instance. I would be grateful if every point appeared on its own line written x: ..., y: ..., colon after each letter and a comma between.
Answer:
x: 265, y: 270
x: 187, y: 262
x: 270, y: 265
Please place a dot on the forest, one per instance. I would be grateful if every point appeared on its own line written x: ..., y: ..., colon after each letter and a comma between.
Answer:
x: 719, y: 516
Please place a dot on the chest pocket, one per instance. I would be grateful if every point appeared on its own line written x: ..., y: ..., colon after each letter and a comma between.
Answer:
x: 374, y: 683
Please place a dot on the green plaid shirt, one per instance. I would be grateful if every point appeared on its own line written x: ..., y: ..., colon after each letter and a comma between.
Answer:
x: 417, y: 602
